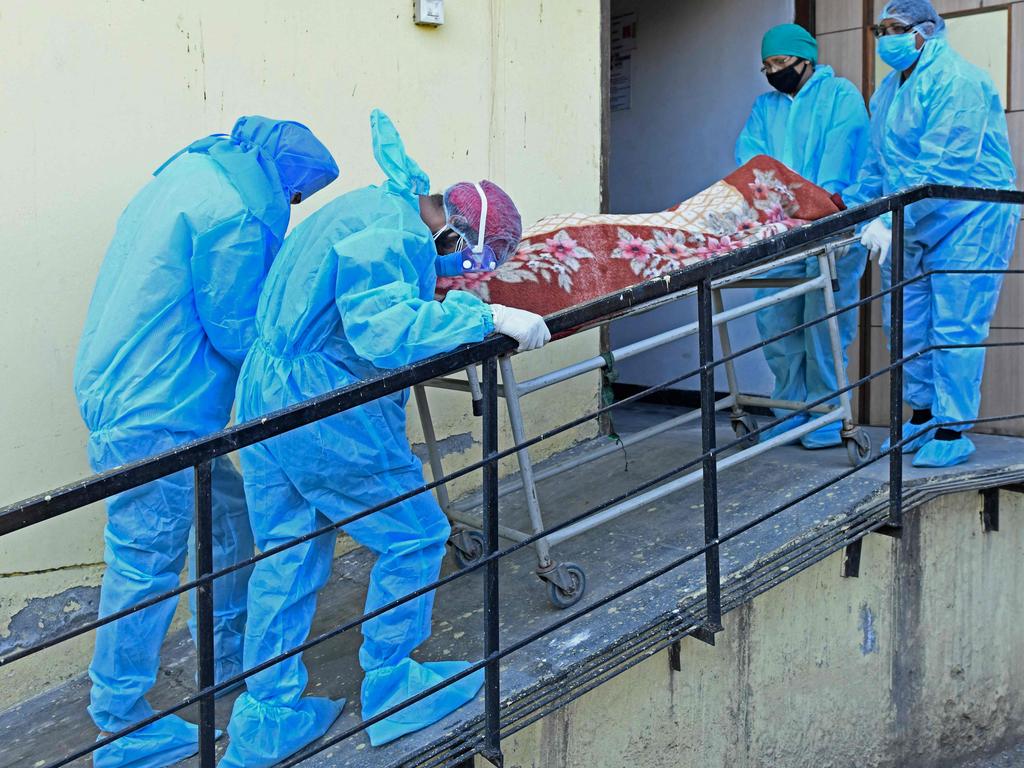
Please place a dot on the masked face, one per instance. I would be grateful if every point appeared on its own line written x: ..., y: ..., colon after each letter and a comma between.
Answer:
x: 447, y: 240
x: 463, y: 258
x: 787, y: 80
x: 899, y: 51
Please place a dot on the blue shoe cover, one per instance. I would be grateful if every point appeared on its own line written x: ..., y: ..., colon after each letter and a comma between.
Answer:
x: 165, y: 742
x: 263, y: 734
x: 919, y: 435
x: 944, y: 453
x: 782, y: 428
x: 386, y: 687
x: 826, y: 437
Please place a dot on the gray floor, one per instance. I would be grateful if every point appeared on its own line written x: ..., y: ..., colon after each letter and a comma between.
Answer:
x: 613, y: 556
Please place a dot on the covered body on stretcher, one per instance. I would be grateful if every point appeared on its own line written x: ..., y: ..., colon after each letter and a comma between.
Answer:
x: 567, y: 260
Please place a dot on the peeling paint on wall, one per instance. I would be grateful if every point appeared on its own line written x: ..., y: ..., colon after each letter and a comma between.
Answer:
x: 869, y: 643
x: 450, y: 445
x: 44, y: 617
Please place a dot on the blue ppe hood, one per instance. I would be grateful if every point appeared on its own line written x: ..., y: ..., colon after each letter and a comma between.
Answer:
x: 258, y: 149
x: 404, y: 175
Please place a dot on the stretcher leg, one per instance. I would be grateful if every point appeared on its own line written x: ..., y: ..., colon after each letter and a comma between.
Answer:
x: 856, y: 440
x: 433, y: 453
x: 742, y: 423
x: 566, y: 582
x: 515, y: 415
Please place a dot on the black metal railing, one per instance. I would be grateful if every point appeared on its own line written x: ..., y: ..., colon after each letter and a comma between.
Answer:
x: 198, y: 454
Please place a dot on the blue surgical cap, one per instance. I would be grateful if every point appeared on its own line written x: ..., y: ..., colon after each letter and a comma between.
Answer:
x: 919, y: 14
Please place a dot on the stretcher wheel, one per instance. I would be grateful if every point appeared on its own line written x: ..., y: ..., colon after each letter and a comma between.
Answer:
x: 744, y: 426
x: 572, y: 584
x: 468, y: 547
x: 858, y: 447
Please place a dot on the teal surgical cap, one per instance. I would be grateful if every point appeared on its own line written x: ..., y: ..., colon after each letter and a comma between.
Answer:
x: 789, y: 40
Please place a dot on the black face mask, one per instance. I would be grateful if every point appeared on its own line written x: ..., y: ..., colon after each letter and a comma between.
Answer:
x: 786, y: 80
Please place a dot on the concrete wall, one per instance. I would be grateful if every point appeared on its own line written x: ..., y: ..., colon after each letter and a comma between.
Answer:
x: 695, y: 75
x: 102, y: 93
x: 914, y: 663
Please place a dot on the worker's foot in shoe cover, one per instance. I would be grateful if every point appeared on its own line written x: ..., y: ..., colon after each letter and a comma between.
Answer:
x: 826, y: 437
x: 944, y: 453
x: 164, y: 742
x: 784, y: 427
x: 918, y: 435
x: 387, y: 687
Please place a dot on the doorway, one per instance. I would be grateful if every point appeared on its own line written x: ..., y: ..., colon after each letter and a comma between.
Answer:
x: 683, y: 77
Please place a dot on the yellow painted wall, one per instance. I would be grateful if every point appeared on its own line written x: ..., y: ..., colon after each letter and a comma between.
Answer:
x: 96, y: 95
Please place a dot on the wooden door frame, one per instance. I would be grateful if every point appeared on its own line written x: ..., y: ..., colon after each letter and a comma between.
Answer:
x: 804, y: 14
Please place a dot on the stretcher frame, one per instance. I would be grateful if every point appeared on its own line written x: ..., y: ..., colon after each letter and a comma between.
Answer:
x: 566, y: 582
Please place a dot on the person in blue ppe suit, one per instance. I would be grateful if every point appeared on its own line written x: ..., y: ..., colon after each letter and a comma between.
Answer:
x: 171, y: 319
x: 937, y: 119
x: 816, y: 123
x: 351, y: 295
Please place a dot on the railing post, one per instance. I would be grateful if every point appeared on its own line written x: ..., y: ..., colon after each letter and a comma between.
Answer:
x: 896, y: 372
x: 204, y: 611
x: 705, y: 337
x: 492, y: 639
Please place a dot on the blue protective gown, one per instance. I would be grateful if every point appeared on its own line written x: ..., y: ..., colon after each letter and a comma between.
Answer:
x: 944, y: 125
x: 822, y: 134
x: 350, y: 294
x: 171, y: 318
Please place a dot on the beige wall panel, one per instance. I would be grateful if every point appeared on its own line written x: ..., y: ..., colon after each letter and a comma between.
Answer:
x: 837, y: 15
x: 1015, y: 124
x: 1017, y: 56
x: 1002, y: 390
x: 948, y: 6
x: 879, y: 411
x: 876, y: 286
x: 1010, y: 313
x: 952, y: 6
x: 844, y: 52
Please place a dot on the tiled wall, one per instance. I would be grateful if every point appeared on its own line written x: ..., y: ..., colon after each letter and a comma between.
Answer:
x: 843, y: 42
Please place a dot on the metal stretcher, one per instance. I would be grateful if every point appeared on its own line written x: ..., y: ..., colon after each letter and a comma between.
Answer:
x: 566, y: 582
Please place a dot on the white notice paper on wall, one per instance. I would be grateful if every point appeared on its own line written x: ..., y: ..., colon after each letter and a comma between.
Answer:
x: 619, y: 95
x: 623, y: 43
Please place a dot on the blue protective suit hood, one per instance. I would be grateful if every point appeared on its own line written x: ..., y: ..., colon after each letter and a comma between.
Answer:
x: 304, y: 165
x: 404, y: 175
x: 259, y: 148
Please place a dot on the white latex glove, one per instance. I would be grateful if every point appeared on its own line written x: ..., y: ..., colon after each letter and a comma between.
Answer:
x: 877, y: 238
x: 525, y: 327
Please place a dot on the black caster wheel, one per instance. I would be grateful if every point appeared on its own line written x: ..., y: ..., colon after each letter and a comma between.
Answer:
x: 566, y: 585
x: 467, y: 547
x: 858, y: 447
x: 744, y: 426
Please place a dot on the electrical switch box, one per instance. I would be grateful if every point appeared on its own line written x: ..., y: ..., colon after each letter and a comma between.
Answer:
x: 429, y: 13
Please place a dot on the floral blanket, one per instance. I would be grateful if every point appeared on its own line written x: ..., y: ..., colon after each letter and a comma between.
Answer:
x: 567, y: 260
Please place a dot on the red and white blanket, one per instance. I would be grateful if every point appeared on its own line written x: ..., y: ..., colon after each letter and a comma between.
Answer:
x: 568, y: 260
